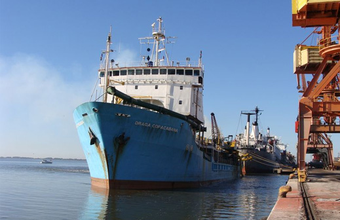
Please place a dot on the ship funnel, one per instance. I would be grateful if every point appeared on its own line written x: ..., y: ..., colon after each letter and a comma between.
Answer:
x: 255, y: 132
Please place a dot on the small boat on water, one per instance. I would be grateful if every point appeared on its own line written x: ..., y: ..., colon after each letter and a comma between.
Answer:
x: 147, y: 131
x: 45, y: 161
x: 262, y: 153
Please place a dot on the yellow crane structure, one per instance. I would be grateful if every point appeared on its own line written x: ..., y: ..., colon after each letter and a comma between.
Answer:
x: 319, y: 106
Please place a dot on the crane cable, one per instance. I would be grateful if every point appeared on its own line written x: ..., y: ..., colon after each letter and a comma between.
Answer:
x: 277, y: 164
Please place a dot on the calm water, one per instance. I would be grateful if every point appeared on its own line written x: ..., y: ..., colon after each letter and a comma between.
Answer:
x: 62, y: 190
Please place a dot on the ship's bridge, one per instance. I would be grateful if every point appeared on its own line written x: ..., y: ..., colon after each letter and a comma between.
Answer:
x: 135, y: 71
x: 177, y: 88
x: 180, y: 75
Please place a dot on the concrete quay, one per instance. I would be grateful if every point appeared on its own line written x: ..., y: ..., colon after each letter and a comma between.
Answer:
x: 322, y: 191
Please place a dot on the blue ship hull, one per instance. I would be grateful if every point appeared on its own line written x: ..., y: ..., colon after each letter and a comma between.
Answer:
x: 133, y: 148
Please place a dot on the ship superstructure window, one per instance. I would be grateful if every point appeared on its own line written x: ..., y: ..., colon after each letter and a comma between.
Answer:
x: 146, y: 71
x: 200, y: 80
x: 131, y: 72
x: 114, y: 73
x: 188, y: 72
x: 180, y: 72
x: 123, y: 72
x: 102, y: 74
x: 162, y: 71
x: 171, y: 71
x: 196, y: 72
x: 139, y: 71
x: 181, y: 87
x: 180, y: 102
x: 154, y: 72
x: 156, y: 86
x: 136, y: 87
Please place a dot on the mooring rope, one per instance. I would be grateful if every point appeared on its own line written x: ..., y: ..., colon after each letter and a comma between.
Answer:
x: 259, y: 158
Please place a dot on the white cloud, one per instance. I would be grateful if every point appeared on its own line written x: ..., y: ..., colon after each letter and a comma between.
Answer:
x: 37, y: 107
x: 126, y: 57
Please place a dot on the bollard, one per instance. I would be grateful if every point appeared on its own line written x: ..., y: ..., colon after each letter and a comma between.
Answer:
x: 284, y: 190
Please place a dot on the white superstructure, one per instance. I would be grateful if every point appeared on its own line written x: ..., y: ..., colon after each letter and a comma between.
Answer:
x: 253, y: 138
x: 157, y: 80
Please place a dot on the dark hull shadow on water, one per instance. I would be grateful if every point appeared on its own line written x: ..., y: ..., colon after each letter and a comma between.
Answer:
x: 251, y: 197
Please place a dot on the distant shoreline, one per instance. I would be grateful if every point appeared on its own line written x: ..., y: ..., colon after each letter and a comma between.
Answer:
x: 53, y: 158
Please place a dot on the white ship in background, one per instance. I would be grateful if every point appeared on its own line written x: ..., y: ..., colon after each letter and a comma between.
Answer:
x: 264, y: 153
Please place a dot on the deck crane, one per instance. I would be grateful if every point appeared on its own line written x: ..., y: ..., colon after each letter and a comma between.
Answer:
x: 319, y: 106
x: 215, y: 131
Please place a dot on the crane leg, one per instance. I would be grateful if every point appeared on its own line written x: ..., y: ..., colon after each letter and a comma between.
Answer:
x: 305, y: 118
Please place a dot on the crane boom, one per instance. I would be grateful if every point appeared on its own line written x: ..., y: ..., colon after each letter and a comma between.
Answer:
x: 215, y: 131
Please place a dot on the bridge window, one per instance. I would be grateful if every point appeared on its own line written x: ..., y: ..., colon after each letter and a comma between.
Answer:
x: 196, y: 72
x: 188, y: 72
x: 171, y: 71
x: 101, y: 74
x: 114, y: 73
x: 200, y: 80
x: 162, y: 71
x: 139, y: 71
x: 131, y: 72
x: 180, y: 72
x: 154, y: 72
x: 146, y: 71
x: 123, y: 72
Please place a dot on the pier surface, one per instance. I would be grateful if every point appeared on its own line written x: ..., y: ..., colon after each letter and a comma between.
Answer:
x: 322, y: 193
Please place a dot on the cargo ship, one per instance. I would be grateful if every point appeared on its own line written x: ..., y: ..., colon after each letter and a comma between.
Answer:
x: 262, y: 153
x: 146, y: 130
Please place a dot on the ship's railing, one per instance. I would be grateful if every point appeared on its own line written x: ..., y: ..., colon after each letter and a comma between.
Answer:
x: 120, y: 64
x: 326, y: 42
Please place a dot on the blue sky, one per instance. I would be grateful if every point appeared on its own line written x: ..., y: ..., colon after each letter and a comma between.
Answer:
x: 49, y: 56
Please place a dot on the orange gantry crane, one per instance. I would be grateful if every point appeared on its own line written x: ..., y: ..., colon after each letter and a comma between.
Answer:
x: 319, y: 106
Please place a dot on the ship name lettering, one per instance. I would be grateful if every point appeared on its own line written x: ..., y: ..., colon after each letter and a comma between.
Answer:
x: 156, y: 126
x: 145, y: 124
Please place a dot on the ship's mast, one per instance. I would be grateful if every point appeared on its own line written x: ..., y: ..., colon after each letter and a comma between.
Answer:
x: 200, y: 60
x: 158, y: 40
x: 158, y: 36
x: 248, y: 121
x: 256, y: 115
x: 107, y: 58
